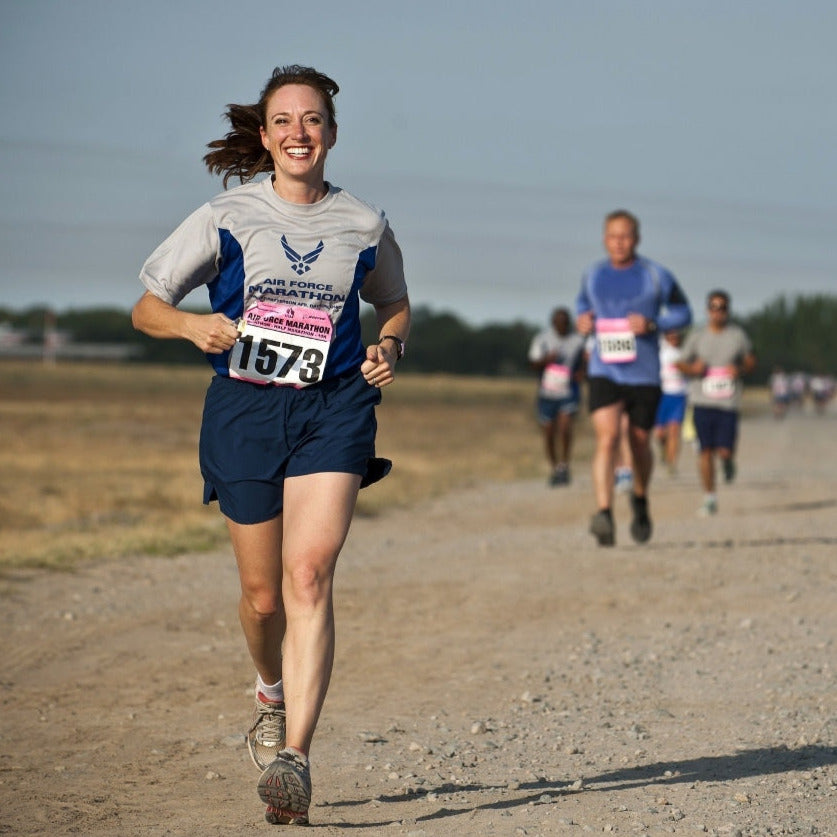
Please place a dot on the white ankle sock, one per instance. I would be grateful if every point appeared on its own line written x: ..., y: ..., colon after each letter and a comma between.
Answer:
x: 274, y: 692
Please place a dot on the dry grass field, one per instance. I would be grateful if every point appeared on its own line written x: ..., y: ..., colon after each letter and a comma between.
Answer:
x: 101, y: 460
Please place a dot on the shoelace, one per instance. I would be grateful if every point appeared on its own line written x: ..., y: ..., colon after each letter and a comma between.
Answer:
x: 270, y: 724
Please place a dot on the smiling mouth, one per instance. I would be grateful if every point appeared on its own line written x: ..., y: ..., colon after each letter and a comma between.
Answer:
x: 298, y: 153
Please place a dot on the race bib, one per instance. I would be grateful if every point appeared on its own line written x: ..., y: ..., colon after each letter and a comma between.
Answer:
x: 718, y: 383
x: 672, y: 378
x: 555, y: 382
x: 616, y: 342
x: 281, y: 344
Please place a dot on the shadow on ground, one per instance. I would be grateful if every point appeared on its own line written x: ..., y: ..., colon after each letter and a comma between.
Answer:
x: 743, y: 764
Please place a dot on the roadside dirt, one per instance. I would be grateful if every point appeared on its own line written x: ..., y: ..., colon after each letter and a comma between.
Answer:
x: 497, y: 673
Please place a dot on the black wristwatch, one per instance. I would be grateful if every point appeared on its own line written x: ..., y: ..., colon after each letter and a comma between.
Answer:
x: 399, y: 344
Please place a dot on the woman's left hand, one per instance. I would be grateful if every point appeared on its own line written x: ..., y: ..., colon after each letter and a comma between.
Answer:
x: 379, y: 366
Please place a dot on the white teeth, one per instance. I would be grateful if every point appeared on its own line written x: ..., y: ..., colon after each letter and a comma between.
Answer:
x: 298, y: 152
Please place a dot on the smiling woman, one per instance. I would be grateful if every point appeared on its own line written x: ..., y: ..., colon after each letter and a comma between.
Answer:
x: 288, y: 431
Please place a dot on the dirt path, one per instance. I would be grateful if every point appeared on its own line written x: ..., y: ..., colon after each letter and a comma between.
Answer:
x: 497, y: 674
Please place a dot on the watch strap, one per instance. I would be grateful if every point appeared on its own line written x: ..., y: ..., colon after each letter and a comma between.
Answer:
x: 399, y: 344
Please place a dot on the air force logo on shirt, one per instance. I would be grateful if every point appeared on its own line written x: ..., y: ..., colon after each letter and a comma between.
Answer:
x: 301, y: 264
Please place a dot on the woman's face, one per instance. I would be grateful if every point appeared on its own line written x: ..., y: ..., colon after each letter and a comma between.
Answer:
x: 297, y: 133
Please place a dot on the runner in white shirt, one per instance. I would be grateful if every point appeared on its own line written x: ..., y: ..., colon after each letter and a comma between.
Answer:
x: 671, y: 410
x: 557, y: 354
x: 822, y: 391
x: 780, y: 392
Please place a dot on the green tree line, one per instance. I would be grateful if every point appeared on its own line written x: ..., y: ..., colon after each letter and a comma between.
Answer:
x: 797, y: 334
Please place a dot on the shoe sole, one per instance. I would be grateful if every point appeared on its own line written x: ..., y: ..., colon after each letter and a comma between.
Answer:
x: 276, y: 816
x: 285, y: 795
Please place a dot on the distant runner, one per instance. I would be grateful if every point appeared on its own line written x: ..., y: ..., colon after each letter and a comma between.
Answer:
x: 625, y: 300
x: 668, y: 424
x: 822, y: 391
x: 623, y: 463
x: 557, y: 354
x: 716, y: 357
x: 780, y: 392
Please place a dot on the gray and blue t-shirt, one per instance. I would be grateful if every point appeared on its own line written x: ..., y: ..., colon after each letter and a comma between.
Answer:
x: 248, y: 245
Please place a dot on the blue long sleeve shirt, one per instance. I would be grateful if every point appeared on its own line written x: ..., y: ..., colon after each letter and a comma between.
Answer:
x: 610, y: 294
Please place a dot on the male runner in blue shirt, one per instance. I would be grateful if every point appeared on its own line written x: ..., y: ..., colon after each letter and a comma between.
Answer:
x: 625, y: 301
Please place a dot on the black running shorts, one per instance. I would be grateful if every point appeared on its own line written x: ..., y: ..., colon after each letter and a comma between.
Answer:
x: 640, y: 400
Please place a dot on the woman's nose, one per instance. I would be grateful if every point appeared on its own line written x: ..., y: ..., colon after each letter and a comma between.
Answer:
x: 298, y: 130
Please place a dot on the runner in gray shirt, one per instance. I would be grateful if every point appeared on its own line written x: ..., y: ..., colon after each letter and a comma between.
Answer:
x: 715, y: 357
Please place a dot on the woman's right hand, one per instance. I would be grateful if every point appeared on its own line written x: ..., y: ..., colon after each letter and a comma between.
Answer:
x: 211, y: 333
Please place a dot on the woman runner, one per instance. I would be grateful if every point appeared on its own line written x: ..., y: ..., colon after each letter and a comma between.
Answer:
x: 288, y: 431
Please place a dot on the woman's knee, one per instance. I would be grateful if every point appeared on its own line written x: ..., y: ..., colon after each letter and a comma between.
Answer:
x: 262, y: 601
x: 307, y: 583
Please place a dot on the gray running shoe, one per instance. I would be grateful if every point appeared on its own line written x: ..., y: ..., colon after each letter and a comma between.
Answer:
x: 266, y: 737
x: 285, y: 787
x: 708, y: 507
x: 601, y: 525
x: 641, y: 524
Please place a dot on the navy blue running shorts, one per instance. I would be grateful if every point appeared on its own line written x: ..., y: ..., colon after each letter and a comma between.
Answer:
x: 548, y: 409
x: 254, y: 436
x: 640, y: 400
x: 715, y: 428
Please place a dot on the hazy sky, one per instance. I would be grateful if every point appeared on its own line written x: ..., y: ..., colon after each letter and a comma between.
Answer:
x: 495, y: 136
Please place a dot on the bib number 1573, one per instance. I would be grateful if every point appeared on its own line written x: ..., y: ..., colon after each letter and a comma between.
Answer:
x: 267, y: 360
x: 282, y: 345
